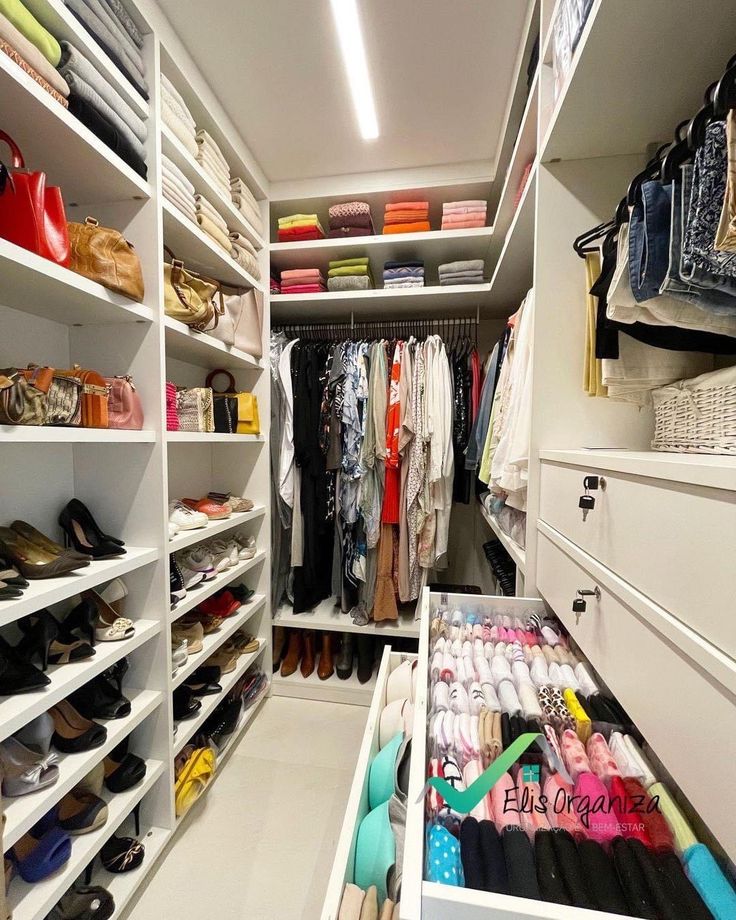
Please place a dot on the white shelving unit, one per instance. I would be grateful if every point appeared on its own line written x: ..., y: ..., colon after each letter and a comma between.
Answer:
x: 53, y: 316
x: 332, y: 690
x: 328, y: 617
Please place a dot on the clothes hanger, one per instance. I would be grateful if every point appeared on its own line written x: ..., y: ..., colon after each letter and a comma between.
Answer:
x: 681, y: 151
x: 725, y: 95
x: 650, y: 171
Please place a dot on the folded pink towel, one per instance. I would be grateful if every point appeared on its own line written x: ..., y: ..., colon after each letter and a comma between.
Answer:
x: 468, y: 203
x: 301, y: 273
x: 303, y: 279
x: 601, y: 824
x: 462, y: 224
x: 476, y: 209
x: 302, y: 289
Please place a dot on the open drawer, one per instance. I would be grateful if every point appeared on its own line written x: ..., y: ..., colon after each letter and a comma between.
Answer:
x: 357, y: 807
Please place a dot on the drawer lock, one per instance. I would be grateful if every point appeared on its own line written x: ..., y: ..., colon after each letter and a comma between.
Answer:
x: 579, y: 605
x: 587, y: 502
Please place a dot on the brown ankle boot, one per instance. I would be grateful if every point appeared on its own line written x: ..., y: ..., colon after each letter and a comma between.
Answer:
x: 326, y: 668
x: 279, y: 646
x: 308, y: 656
x: 293, y: 654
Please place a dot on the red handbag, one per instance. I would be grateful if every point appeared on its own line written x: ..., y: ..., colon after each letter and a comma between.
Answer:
x: 32, y: 213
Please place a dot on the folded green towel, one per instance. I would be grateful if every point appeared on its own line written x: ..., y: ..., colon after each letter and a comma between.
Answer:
x: 341, y: 263
x: 349, y: 270
x: 27, y: 24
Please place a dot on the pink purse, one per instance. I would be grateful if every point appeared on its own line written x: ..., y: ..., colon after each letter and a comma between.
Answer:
x: 124, y: 407
x: 172, y: 412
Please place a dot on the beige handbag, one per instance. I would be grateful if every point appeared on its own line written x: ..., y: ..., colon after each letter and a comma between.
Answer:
x: 241, y: 324
x: 191, y: 298
x: 195, y: 407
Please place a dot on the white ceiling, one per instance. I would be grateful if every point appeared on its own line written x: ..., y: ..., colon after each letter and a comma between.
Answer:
x: 441, y: 73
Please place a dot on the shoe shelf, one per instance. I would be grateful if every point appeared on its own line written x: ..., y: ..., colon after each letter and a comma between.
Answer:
x: 16, y: 711
x: 511, y: 546
x: 43, y: 592
x: 212, y: 641
x: 513, y: 273
x: 85, y: 168
x: 201, y: 349
x: 204, y: 185
x: 43, y: 434
x: 190, y: 537
x: 212, y: 437
x: 22, y: 812
x: 332, y: 690
x: 122, y: 886
x: 33, y: 902
x: 189, y: 727
x: 327, y: 616
x: 207, y: 588
x: 60, y: 294
x: 197, y: 250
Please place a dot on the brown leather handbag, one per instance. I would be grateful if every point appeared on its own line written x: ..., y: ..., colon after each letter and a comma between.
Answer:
x: 24, y: 395
x: 95, y: 396
x: 105, y: 256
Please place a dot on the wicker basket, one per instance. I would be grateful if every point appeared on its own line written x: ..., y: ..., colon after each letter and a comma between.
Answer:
x: 697, y: 416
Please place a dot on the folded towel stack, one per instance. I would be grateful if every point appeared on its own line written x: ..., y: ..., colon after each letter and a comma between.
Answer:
x: 244, y: 253
x: 212, y: 223
x: 177, y: 117
x: 406, y: 217
x: 245, y: 201
x: 177, y: 189
x: 302, y: 281
x: 403, y: 274
x: 300, y: 227
x: 469, y: 271
x: 352, y: 218
x: 210, y: 158
x: 462, y: 215
x: 110, y: 24
x: 32, y: 47
x: 275, y: 285
x: 350, y: 275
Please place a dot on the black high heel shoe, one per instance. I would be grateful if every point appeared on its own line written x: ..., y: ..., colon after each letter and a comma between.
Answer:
x: 17, y: 674
x: 84, y: 534
x: 82, y: 619
x: 123, y: 770
x: 98, y: 699
x: 44, y: 636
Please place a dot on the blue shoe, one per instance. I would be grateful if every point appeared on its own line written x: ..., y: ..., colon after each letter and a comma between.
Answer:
x: 35, y: 860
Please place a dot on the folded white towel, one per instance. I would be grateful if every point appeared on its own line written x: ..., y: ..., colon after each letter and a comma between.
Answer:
x: 180, y: 130
x: 208, y: 143
x: 206, y: 207
x: 170, y: 168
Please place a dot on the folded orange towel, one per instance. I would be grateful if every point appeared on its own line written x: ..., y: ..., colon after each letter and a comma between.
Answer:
x: 419, y: 226
x: 402, y: 217
x: 408, y: 206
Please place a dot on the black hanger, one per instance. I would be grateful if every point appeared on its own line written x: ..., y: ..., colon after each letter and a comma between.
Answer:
x: 581, y: 245
x: 725, y: 95
x: 650, y: 171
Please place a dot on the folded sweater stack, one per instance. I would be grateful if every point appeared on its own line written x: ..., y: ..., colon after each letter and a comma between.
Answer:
x: 212, y: 223
x: 24, y: 40
x: 300, y: 227
x: 462, y: 215
x: 210, y: 158
x: 110, y: 24
x: 406, y: 217
x: 403, y: 274
x: 302, y: 281
x: 275, y: 285
x: 350, y: 275
x: 469, y: 271
x: 177, y: 117
x: 244, y: 200
x: 244, y: 253
x: 177, y: 189
x: 352, y: 218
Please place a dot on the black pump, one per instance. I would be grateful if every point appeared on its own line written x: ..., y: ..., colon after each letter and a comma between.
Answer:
x: 84, y: 534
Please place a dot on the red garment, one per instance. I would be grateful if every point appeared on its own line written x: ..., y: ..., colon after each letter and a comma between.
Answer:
x: 392, y: 489
x: 631, y: 823
x: 302, y: 289
x: 475, y: 386
x: 292, y: 234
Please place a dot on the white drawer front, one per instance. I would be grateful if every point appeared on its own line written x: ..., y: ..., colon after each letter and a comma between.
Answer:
x: 687, y: 717
x: 673, y: 542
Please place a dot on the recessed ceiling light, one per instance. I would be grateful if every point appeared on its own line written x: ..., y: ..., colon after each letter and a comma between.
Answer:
x: 347, y: 21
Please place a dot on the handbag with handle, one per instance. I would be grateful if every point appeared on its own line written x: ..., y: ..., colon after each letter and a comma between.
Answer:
x: 241, y: 325
x: 246, y: 404
x: 95, y: 396
x: 193, y: 778
x: 31, y: 212
x: 191, y: 298
x: 64, y: 402
x: 194, y: 406
x: 105, y: 256
x: 24, y: 395
x: 124, y: 408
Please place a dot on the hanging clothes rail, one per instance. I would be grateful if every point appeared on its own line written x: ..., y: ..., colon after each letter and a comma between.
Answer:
x: 450, y: 330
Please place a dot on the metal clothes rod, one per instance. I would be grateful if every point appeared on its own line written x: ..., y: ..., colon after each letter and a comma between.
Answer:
x: 402, y: 328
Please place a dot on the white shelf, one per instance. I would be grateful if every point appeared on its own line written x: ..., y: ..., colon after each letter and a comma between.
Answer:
x: 212, y: 437
x: 204, y: 350
x: 441, y: 301
x: 196, y: 250
x: 514, y: 271
x: 85, y: 168
x: 33, y: 902
x: 189, y: 727
x: 205, y: 185
x: 16, y: 711
x: 212, y: 641
x: 206, y: 588
x: 511, y: 546
x: 190, y: 537
x: 43, y: 592
x: 332, y: 690
x: 122, y: 886
x: 717, y: 472
x: 327, y: 616
x: 36, y: 285
x: 64, y: 26
x: 47, y: 434
x: 24, y: 811
x: 435, y: 247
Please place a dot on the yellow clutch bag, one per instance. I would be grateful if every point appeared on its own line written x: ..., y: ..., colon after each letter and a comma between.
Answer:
x: 245, y: 405
x: 194, y: 778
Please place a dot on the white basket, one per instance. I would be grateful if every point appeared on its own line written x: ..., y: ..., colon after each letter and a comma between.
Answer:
x: 697, y: 416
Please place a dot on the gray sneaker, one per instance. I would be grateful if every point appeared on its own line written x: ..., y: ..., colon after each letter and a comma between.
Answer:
x: 344, y: 664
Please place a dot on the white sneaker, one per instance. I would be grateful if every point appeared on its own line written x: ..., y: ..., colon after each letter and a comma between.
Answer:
x: 246, y: 546
x: 198, y: 559
x: 173, y: 529
x: 190, y: 577
x: 184, y: 517
x: 222, y: 555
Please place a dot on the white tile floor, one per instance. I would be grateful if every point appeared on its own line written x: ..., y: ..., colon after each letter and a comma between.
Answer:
x: 260, y: 844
